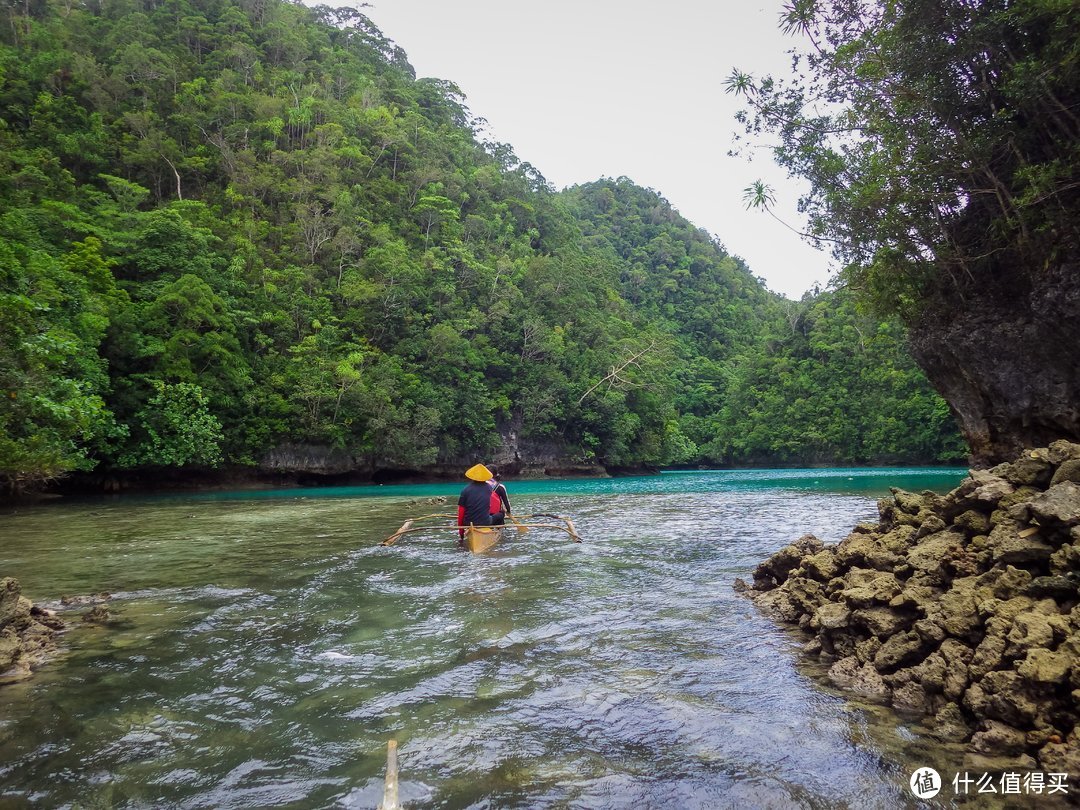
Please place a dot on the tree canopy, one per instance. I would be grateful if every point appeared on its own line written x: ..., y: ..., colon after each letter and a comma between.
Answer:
x: 941, y: 139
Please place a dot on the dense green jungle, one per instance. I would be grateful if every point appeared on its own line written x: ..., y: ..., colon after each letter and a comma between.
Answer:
x: 232, y: 225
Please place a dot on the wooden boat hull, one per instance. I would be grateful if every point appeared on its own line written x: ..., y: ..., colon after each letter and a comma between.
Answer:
x: 479, y: 539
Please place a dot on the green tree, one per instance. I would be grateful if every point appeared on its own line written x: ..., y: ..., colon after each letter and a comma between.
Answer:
x: 175, y: 428
x: 226, y: 226
x: 53, y: 314
x: 935, y: 136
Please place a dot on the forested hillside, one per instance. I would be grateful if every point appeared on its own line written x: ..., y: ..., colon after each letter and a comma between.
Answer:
x: 228, y: 227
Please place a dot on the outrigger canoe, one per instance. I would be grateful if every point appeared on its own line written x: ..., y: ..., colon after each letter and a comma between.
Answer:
x: 479, y: 539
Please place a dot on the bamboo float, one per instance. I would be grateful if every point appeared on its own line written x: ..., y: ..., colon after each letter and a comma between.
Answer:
x: 390, y: 788
x: 406, y: 526
x: 573, y: 532
x: 570, y: 529
x: 389, y: 541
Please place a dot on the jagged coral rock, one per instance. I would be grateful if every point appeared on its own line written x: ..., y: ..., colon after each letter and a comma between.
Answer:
x: 973, y: 522
x: 900, y: 650
x: 1068, y: 471
x: 1058, y: 505
x: 1011, y: 543
x: 831, y: 616
x: 998, y: 738
x: 1045, y: 666
x: 911, y: 697
x: 871, y: 588
x: 882, y: 622
x: 965, y: 607
x: 822, y: 566
x: 929, y: 554
x: 1066, y: 559
x: 949, y: 724
x: 774, y: 571
x: 863, y: 679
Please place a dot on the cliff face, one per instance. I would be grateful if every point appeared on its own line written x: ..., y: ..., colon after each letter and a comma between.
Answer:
x: 514, y: 456
x: 1006, y: 357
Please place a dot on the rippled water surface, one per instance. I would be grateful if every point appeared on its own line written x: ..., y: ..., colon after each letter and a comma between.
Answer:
x: 264, y: 649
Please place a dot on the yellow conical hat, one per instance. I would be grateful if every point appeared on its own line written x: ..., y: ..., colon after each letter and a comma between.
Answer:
x: 478, y: 472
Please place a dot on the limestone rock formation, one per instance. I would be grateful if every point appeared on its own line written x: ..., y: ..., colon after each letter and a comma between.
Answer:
x: 1002, y: 355
x: 965, y: 608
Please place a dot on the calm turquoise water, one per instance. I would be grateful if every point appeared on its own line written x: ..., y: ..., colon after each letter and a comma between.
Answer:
x: 265, y: 648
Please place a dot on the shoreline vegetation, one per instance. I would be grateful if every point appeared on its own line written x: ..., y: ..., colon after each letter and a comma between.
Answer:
x: 964, y: 608
x: 246, y: 240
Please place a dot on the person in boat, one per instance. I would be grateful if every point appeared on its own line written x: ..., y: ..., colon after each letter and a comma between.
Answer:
x: 474, y: 503
x: 500, y: 499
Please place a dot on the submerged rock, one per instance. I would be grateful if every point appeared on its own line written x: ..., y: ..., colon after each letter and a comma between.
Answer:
x: 99, y: 614
x: 949, y: 724
x: 965, y: 608
x: 862, y: 679
x: 998, y: 738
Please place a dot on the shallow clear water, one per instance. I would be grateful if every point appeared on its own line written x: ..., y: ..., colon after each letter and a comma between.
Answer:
x: 264, y: 649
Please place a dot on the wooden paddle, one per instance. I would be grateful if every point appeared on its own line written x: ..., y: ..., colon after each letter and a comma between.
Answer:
x: 522, y: 528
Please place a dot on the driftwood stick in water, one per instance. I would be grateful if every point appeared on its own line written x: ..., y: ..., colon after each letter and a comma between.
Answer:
x: 390, y: 789
x: 408, y: 526
x: 573, y: 536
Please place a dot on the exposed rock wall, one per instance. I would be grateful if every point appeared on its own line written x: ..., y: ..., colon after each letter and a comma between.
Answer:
x: 309, y: 458
x: 964, y: 607
x: 27, y: 633
x: 1006, y: 357
x: 514, y: 456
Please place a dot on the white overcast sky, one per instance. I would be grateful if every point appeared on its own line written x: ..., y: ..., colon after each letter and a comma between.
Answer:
x: 584, y: 89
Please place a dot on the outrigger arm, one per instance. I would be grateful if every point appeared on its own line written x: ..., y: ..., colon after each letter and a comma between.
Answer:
x: 408, y: 527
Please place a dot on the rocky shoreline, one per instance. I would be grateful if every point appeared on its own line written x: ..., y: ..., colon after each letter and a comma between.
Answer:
x: 27, y: 633
x: 964, y: 608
